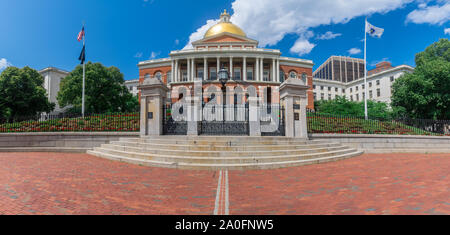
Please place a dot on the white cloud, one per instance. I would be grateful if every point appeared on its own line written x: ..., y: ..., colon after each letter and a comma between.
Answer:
x: 153, y: 55
x: 302, y: 47
x: 447, y: 31
x: 4, y: 64
x: 269, y: 21
x: 328, y: 35
x: 436, y: 14
x: 354, y: 51
x: 177, y: 41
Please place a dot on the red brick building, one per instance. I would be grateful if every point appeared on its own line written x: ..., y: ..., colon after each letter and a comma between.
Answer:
x: 227, y: 46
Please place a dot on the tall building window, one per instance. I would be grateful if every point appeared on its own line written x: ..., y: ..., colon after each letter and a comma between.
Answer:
x: 200, y: 72
x: 370, y: 94
x: 370, y: 84
x: 281, y: 76
x: 357, y: 97
x: 378, y: 82
x: 213, y: 73
x: 321, y: 88
x: 250, y: 73
x: 322, y: 96
x: 329, y: 88
x: 336, y: 89
x: 184, y: 75
x: 357, y: 88
x: 305, y: 78
x: 329, y: 96
x: 392, y: 78
x: 378, y: 92
x: 351, y: 90
x: 169, y: 77
x: 237, y: 74
x: 266, y: 75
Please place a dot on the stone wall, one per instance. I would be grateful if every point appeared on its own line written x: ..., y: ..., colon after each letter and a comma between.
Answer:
x: 390, y: 143
x: 58, y: 141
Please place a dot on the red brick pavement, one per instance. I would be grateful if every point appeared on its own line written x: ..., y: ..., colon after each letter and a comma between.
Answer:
x: 57, y: 183
x: 370, y: 184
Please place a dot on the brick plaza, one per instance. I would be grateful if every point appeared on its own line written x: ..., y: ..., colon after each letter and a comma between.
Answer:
x: 59, y: 183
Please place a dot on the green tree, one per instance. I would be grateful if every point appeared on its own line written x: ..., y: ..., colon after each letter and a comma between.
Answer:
x: 343, y: 106
x: 22, y: 93
x: 425, y: 93
x: 104, y: 90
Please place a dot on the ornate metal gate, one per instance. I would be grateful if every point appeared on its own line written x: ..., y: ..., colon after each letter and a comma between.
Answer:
x: 220, y: 120
x: 171, y: 126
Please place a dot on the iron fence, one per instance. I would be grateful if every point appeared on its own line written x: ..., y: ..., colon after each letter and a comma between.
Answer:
x: 348, y: 124
x: 71, y: 122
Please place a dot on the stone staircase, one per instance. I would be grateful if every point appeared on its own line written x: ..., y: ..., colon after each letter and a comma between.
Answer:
x: 213, y: 153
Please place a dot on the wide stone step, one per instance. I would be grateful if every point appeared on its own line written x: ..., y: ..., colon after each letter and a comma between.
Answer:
x: 194, y: 147
x: 215, y: 166
x: 223, y: 159
x: 223, y: 142
x: 209, y: 153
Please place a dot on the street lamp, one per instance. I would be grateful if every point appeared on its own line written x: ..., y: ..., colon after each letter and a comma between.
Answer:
x: 223, y: 78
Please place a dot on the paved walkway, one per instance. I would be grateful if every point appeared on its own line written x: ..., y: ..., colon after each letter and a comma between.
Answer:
x: 58, y: 183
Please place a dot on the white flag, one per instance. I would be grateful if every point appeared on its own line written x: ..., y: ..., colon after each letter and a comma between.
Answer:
x: 374, y: 31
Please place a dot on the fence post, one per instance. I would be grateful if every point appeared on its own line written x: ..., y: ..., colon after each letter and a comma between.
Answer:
x: 294, y: 97
x: 153, y: 95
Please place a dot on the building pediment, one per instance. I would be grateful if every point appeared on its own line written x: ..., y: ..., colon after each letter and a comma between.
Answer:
x: 225, y: 38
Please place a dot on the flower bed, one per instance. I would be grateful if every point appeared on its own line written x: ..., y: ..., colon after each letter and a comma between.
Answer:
x: 114, y: 122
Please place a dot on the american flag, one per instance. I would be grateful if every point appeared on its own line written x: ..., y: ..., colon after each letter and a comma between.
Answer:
x: 81, y: 34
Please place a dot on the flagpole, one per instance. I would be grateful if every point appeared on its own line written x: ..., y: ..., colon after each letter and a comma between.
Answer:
x: 365, y: 71
x: 84, y: 72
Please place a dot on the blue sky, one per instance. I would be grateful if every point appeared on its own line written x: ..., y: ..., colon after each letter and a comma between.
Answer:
x: 122, y: 33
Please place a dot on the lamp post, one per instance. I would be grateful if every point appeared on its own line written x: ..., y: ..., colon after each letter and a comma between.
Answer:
x: 223, y: 78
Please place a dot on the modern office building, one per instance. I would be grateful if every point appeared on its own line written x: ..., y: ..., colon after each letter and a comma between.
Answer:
x: 340, y: 69
x: 379, y: 86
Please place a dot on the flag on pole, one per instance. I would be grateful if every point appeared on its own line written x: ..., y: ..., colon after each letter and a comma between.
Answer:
x: 374, y: 31
x: 82, y: 55
x: 81, y: 34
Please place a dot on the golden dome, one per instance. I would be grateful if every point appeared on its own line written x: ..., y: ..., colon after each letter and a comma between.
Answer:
x: 224, y: 26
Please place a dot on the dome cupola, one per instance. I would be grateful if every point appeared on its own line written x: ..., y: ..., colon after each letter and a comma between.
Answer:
x: 224, y: 26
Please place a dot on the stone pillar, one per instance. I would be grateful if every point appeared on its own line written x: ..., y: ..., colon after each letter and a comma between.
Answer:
x: 218, y: 67
x: 261, y: 69
x: 293, y: 95
x: 244, y: 69
x: 153, y: 96
x: 254, y: 116
x: 172, y: 72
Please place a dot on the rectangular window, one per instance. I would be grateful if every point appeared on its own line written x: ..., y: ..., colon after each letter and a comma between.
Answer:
x: 213, y: 73
x: 184, y: 75
x: 370, y: 84
x: 378, y: 92
x: 321, y: 88
x: 315, y: 96
x: 266, y: 75
x: 343, y: 90
x: 351, y: 98
x: 329, y: 88
x: 200, y: 73
x: 237, y: 74
x: 357, y: 88
x: 250, y: 73
x: 336, y: 89
x: 329, y: 96
x: 322, y: 96
x: 314, y: 86
x: 351, y: 90
x: 378, y: 82
x: 370, y: 94
x: 392, y: 78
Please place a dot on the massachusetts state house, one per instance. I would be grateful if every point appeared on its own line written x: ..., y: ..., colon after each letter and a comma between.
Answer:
x: 226, y: 46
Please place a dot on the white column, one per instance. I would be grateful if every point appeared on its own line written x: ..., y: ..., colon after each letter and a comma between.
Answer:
x: 244, y: 69
x: 278, y: 70
x: 172, y: 72
x: 256, y: 74
x: 231, y: 67
x: 176, y: 71
x: 188, y: 68
x: 194, y: 70
x: 205, y: 69
x: 273, y: 78
x: 261, y: 69
x: 218, y: 67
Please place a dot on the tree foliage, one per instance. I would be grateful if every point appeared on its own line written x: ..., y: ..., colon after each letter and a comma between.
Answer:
x: 104, y: 90
x: 343, y: 106
x: 22, y: 93
x: 426, y: 92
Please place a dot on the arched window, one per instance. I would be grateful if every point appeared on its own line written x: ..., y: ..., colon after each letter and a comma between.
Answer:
x: 305, y: 78
x: 158, y: 75
x: 292, y: 74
